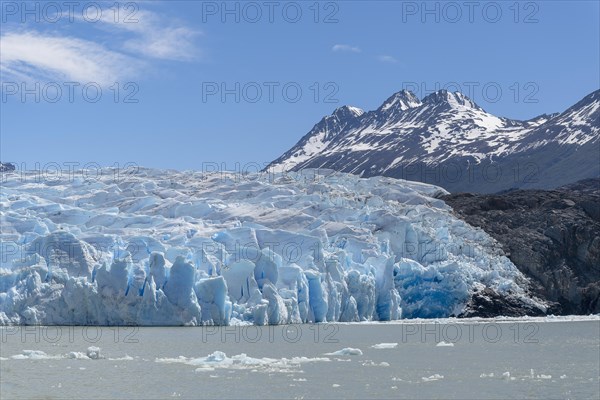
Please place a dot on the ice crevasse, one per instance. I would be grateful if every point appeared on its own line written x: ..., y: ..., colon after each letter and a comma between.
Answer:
x: 159, y: 247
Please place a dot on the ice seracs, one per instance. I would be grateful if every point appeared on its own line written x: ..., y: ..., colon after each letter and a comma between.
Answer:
x: 186, y: 248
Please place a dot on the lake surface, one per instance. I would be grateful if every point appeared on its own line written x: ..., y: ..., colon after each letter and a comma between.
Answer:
x: 459, y: 359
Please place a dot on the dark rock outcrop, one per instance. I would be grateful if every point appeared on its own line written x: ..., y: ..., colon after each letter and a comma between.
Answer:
x: 6, y: 167
x: 488, y: 303
x: 553, y: 237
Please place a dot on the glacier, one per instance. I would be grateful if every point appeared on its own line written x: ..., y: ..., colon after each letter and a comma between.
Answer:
x: 162, y: 247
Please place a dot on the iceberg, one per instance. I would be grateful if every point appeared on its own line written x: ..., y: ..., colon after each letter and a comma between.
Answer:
x: 188, y: 248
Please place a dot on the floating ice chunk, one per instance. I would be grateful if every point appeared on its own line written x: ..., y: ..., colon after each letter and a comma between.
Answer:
x: 371, y: 363
x: 220, y: 360
x: 444, y: 344
x: 346, y: 351
x: 385, y: 346
x: 78, y: 355
x: 124, y: 358
x: 34, y: 355
x: 93, y: 353
x: 434, y: 377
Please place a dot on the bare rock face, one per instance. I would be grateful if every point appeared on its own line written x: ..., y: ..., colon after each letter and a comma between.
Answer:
x: 488, y: 303
x: 553, y: 237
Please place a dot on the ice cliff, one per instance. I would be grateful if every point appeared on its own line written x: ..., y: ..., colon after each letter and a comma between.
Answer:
x: 159, y: 247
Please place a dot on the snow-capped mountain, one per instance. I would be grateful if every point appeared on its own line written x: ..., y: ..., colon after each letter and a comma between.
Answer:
x: 448, y: 140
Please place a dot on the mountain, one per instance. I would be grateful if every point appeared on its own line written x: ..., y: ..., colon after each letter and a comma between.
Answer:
x: 447, y: 140
x: 552, y: 236
x: 6, y: 167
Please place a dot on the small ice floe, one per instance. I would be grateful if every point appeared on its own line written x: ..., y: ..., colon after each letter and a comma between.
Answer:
x: 371, y: 363
x: 124, y: 358
x: 77, y: 355
x: 34, y: 355
x: 204, y: 368
x: 93, y: 352
x: 444, y: 344
x: 347, y: 351
x: 335, y: 385
x: 506, y: 376
x: 220, y: 360
x: 542, y: 376
x: 434, y: 377
x: 563, y: 377
x: 385, y: 346
x: 490, y: 375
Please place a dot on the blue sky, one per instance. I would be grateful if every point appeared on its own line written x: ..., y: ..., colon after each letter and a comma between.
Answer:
x: 283, y: 66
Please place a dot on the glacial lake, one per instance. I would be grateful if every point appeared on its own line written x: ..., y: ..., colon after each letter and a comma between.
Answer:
x: 456, y: 359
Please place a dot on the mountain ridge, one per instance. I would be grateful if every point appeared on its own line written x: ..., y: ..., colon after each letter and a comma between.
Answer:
x: 447, y: 132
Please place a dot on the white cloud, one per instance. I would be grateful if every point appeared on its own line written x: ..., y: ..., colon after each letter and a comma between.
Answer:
x: 30, y: 55
x: 345, y: 47
x: 37, y: 56
x: 156, y: 37
x: 388, y: 59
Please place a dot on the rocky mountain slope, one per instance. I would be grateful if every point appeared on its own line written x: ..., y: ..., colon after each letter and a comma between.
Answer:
x: 448, y: 140
x: 552, y: 236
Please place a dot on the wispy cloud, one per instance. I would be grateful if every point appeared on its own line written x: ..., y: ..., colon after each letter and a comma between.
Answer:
x: 388, y: 59
x: 29, y: 54
x: 33, y: 55
x: 346, y: 48
x: 157, y: 37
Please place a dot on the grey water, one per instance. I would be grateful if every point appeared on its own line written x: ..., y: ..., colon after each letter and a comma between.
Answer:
x: 448, y: 359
